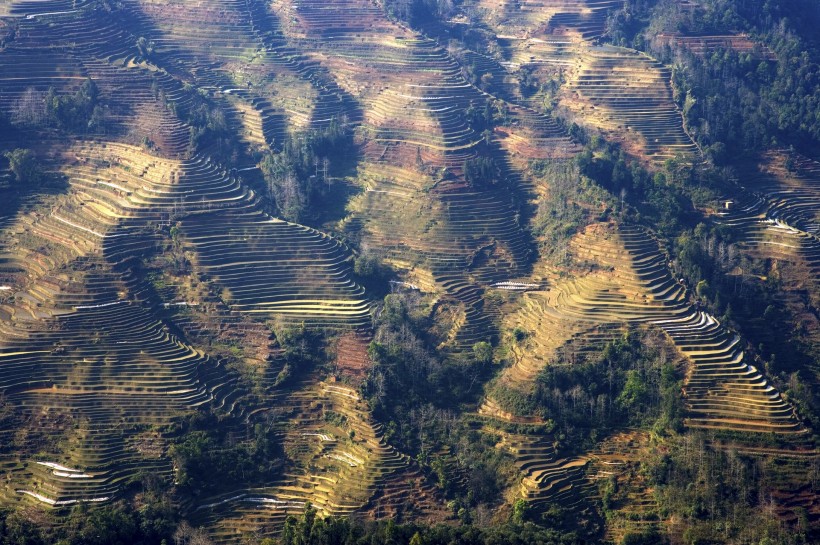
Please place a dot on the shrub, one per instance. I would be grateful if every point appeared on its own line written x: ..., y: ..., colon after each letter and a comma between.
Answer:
x: 23, y: 165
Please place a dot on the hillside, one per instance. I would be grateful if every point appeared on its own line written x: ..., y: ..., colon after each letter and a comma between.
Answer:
x: 409, y: 271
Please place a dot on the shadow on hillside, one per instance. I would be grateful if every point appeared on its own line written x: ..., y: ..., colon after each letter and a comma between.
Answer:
x: 17, y: 197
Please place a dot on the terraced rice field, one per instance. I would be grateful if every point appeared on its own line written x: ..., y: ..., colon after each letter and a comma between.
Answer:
x: 584, y: 17
x: 629, y: 284
x: 269, y: 88
x: 620, y: 90
x: 66, y: 48
x: 95, y: 378
x: 774, y: 212
x: 77, y: 342
x: 623, y: 93
x: 708, y: 43
x: 415, y: 207
x: 634, y: 507
x: 546, y: 477
x: 99, y: 360
x: 102, y: 380
x: 338, y: 462
x: 410, y: 89
x: 112, y: 207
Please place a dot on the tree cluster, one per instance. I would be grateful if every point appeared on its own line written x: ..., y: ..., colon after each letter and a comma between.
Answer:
x: 632, y: 382
x: 419, y: 12
x: 665, y: 199
x: 481, y: 172
x: 738, y: 102
x: 151, y: 522
x: 24, y: 166
x: 722, y: 496
x: 566, y: 208
x: 80, y: 112
x: 210, y: 453
x: 302, y: 350
x: 309, y: 529
x: 297, y: 176
x: 416, y: 394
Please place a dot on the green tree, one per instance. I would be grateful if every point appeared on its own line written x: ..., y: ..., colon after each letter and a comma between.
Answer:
x: 520, y: 509
x: 18, y: 530
x: 483, y: 352
x: 634, y: 392
x: 481, y: 171
x: 145, y: 47
x: 74, y: 112
x: 23, y: 165
x: 703, y: 289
